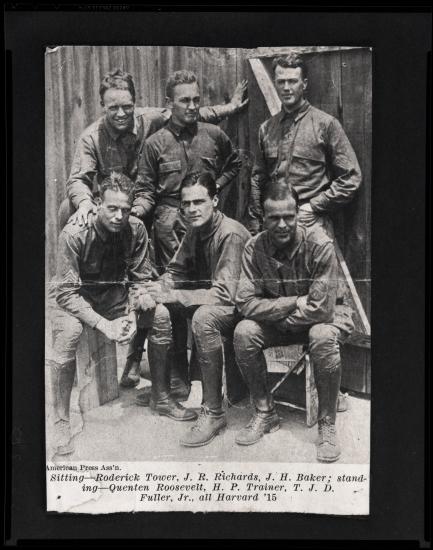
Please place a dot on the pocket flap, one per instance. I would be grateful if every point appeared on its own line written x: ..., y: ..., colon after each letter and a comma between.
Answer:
x: 172, y: 166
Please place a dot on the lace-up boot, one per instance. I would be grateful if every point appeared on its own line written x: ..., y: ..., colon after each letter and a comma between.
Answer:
x: 208, y: 426
x: 261, y: 423
x: 328, y: 449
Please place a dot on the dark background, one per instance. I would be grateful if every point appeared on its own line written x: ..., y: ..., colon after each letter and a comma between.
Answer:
x: 400, y: 44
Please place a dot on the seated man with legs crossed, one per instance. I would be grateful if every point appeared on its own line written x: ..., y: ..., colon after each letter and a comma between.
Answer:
x: 287, y: 294
x: 100, y: 269
x: 200, y: 283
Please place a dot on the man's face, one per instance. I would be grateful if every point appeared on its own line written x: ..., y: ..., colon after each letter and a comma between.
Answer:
x: 197, y: 206
x: 119, y: 109
x: 290, y: 86
x: 185, y: 104
x: 114, y: 210
x: 280, y: 219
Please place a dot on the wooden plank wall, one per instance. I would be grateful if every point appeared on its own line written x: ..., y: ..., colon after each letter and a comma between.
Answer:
x: 339, y: 83
x: 72, y: 100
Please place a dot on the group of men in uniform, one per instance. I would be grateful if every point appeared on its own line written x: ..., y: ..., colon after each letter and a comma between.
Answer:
x: 160, y: 171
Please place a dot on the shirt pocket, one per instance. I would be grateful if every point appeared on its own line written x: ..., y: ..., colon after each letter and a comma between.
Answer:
x: 170, y: 166
x: 311, y: 153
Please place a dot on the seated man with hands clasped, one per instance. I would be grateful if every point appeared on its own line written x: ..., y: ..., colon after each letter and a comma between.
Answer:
x: 200, y: 283
x: 101, y: 268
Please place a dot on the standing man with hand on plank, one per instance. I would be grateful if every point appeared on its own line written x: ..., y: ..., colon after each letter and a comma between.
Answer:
x: 305, y: 147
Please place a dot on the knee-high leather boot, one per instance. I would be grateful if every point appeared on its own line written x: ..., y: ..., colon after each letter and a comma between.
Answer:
x: 265, y: 419
x: 131, y: 372
x: 63, y: 380
x: 328, y: 386
x: 161, y: 402
x: 178, y: 359
x: 211, y: 366
x: 212, y: 417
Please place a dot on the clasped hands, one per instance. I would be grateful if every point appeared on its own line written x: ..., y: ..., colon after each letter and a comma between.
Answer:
x: 121, y: 330
x: 159, y: 293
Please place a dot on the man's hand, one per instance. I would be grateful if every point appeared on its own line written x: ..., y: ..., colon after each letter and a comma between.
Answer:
x: 145, y: 302
x: 237, y: 101
x: 120, y: 330
x: 81, y: 216
x: 253, y: 227
x: 137, y: 211
x: 306, y: 215
x: 129, y: 327
x: 159, y: 294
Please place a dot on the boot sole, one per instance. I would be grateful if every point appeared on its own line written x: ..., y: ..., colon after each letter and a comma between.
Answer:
x: 129, y: 384
x: 270, y: 431
x: 203, y: 443
x: 64, y: 452
x: 173, y: 417
x: 146, y: 402
x: 328, y: 459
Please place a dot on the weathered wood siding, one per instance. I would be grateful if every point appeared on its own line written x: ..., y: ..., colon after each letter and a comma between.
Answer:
x: 339, y: 83
x: 73, y: 75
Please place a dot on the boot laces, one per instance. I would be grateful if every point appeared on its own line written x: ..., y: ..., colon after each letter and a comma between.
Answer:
x: 201, y: 421
x: 328, y: 433
x: 256, y: 422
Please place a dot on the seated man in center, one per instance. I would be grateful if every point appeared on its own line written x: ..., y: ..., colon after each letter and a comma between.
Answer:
x: 200, y: 283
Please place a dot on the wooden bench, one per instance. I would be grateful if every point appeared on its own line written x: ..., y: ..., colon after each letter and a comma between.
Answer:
x: 295, y: 380
x: 96, y: 370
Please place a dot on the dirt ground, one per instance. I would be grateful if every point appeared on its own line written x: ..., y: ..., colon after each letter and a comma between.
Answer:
x: 124, y: 431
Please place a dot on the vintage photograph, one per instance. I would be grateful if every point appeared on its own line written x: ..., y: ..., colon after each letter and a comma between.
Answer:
x: 208, y: 278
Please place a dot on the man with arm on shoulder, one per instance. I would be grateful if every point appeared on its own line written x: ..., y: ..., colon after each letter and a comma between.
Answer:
x: 184, y: 146
x: 115, y: 143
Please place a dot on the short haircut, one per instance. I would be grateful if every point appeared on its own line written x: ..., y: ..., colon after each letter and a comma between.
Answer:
x: 179, y: 77
x: 280, y: 191
x: 118, y: 80
x: 205, y: 179
x: 116, y: 182
x: 290, y: 61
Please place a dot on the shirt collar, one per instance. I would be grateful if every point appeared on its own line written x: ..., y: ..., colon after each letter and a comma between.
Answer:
x: 114, y: 134
x: 296, y: 115
x: 104, y: 234
x: 207, y: 230
x: 289, y: 252
x: 178, y: 130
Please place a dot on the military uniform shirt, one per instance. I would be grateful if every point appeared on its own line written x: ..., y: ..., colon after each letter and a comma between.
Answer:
x: 99, y: 272
x: 209, y: 261
x: 102, y: 150
x: 323, y: 167
x: 174, y: 152
x: 296, y: 286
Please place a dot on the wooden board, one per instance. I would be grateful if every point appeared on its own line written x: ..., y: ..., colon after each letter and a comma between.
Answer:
x: 272, y: 52
x: 332, y: 73
x: 96, y: 370
x: 298, y: 388
x: 266, y: 86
